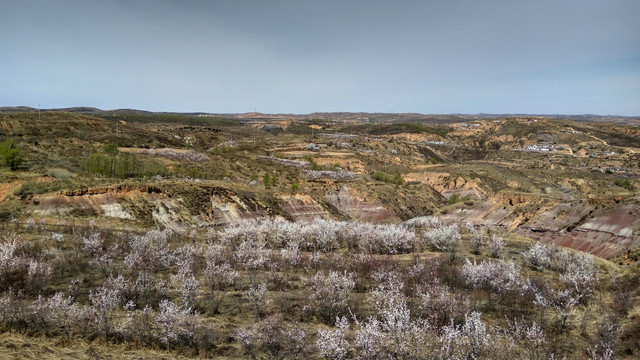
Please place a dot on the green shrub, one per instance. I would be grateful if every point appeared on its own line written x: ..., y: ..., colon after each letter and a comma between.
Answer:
x: 299, y: 129
x: 44, y: 187
x: 98, y: 164
x: 10, y: 154
x: 123, y: 166
x: 7, y: 145
x: 295, y: 187
x: 265, y: 180
x: 388, y: 178
x: 421, y: 128
x: 318, y: 167
x: 456, y: 198
x: 224, y: 149
x: 624, y: 183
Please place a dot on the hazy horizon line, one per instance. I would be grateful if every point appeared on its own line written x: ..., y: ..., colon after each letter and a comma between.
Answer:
x: 5, y: 107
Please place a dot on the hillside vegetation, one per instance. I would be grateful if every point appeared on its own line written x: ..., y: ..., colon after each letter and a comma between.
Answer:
x: 340, y: 236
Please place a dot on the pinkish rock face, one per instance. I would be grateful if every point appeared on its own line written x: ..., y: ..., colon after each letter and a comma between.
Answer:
x: 303, y: 207
x: 360, y: 209
x: 578, y: 225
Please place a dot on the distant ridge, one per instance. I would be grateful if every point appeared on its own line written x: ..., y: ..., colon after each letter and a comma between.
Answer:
x: 375, y: 117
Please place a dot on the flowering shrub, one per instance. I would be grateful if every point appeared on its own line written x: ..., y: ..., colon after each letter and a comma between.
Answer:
x: 145, y: 288
x: 561, y: 300
x: 296, y: 163
x: 56, y: 312
x: 343, y: 175
x: 138, y: 325
x: 319, y: 234
x: 496, y: 246
x: 577, y: 271
x: 104, y: 302
x: 444, y: 238
x: 314, y: 174
x: 382, y: 297
x: 497, y: 277
x: 391, y: 333
x: 329, y: 294
x: 177, y: 324
x: 477, y: 240
x: 187, y: 286
x: 100, y: 249
x: 274, y: 337
x: 216, y: 278
x: 149, y: 252
x: 385, y: 239
x: 188, y: 155
x: 579, y: 275
x: 530, y: 336
x: 438, y: 304
x: 421, y: 222
x: 537, y: 256
x: 257, y: 295
x: 333, y: 344
x: 19, y: 270
x: 38, y: 274
x: 291, y: 254
x: 475, y: 335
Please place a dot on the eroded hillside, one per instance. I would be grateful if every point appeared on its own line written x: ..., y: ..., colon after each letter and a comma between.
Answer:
x: 553, y: 180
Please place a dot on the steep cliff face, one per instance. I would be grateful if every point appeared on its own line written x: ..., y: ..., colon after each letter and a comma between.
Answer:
x: 602, y: 228
x: 359, y: 208
x: 603, y: 231
x: 198, y: 204
x: 305, y: 207
x: 231, y: 208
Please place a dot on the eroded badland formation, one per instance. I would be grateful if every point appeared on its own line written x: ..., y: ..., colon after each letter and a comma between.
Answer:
x: 567, y: 181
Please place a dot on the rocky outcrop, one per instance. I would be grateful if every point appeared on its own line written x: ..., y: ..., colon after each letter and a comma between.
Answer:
x: 303, y: 207
x: 231, y: 208
x: 604, y: 232
x: 448, y: 184
x: 358, y: 208
x: 604, y: 229
x: 115, y: 210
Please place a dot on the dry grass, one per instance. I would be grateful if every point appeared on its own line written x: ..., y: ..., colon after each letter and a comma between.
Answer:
x: 17, y: 346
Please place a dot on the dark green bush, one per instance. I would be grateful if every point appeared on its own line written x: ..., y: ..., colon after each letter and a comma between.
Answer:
x: 456, y: 198
x: 388, y: 178
x: 624, y: 183
x: 10, y: 154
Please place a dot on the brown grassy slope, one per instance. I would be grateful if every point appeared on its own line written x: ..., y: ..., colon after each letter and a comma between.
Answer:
x: 17, y: 346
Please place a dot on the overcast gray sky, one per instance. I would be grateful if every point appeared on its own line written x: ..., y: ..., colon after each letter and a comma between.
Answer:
x: 446, y: 56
